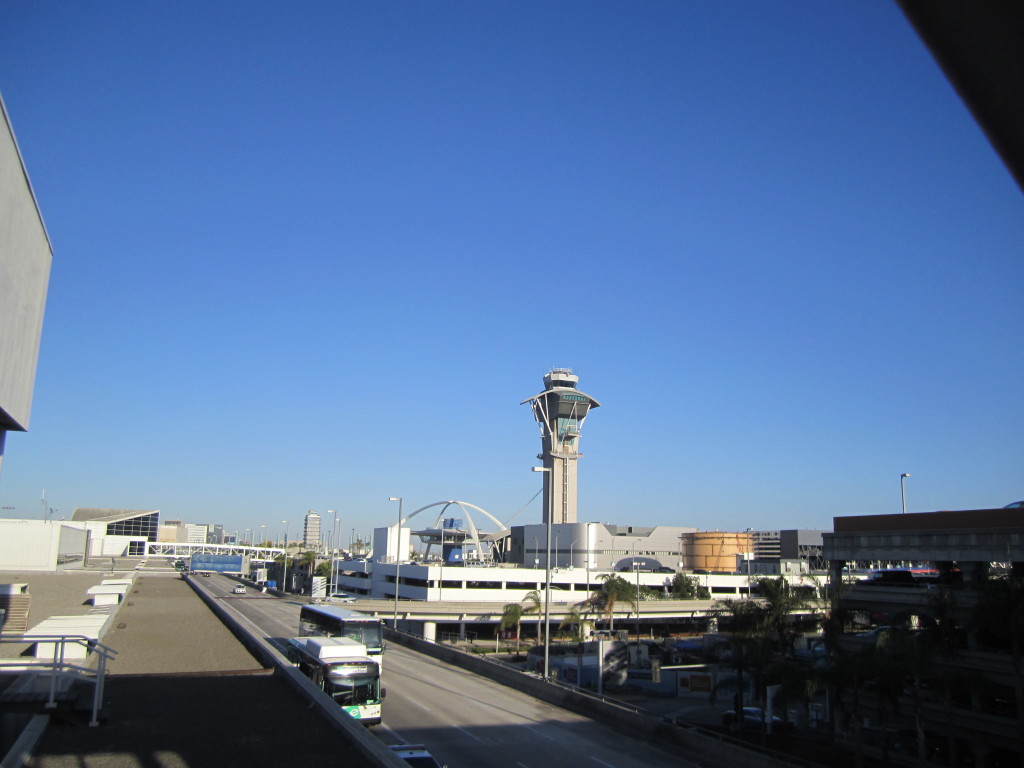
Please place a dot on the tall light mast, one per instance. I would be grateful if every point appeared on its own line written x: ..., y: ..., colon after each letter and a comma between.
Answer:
x: 560, y: 411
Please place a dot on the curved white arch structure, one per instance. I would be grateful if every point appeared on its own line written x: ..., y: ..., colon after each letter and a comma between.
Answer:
x: 474, y: 533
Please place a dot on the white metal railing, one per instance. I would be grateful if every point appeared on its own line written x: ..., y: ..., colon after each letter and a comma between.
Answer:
x: 58, y: 668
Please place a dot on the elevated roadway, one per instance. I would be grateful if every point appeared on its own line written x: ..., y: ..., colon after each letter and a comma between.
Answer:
x: 464, y: 719
x: 431, y: 618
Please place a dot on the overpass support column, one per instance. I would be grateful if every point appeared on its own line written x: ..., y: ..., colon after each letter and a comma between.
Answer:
x: 430, y: 631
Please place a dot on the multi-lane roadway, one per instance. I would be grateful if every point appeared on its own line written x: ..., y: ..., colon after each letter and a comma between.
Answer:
x: 464, y: 719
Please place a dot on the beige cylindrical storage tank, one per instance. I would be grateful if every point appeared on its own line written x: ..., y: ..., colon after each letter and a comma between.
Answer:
x: 714, y: 551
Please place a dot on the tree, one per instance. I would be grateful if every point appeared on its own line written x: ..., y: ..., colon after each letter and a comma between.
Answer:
x: 999, y: 615
x: 945, y: 633
x: 686, y: 587
x: 511, y: 615
x: 306, y: 560
x: 909, y: 658
x: 615, y: 589
x: 531, y: 604
x: 747, y: 632
x: 779, y: 601
x: 572, y: 625
x: 324, y: 569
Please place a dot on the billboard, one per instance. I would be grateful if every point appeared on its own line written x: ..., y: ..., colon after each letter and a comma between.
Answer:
x: 217, y: 563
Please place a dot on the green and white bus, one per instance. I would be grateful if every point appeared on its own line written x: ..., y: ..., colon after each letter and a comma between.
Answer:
x: 344, y: 671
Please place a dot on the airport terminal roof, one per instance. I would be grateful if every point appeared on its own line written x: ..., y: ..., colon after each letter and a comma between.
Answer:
x: 86, y: 514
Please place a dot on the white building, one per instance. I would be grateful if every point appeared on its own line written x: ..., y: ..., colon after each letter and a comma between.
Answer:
x: 25, y: 256
x: 311, y: 531
x: 90, y: 534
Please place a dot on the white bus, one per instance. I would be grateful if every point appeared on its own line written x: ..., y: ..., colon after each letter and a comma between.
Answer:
x: 345, y: 672
x: 331, y: 621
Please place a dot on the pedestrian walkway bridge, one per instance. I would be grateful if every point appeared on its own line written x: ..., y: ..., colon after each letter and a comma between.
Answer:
x: 181, y: 549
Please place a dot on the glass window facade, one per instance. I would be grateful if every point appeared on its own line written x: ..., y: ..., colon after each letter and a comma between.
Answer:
x: 142, y: 526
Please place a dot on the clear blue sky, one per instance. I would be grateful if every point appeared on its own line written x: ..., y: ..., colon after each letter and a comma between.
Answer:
x: 309, y: 256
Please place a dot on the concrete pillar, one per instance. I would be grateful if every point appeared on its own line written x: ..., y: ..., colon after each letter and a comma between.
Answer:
x: 975, y: 574
x: 430, y: 631
x: 835, y: 574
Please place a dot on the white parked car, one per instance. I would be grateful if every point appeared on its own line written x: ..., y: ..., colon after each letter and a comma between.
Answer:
x: 416, y: 755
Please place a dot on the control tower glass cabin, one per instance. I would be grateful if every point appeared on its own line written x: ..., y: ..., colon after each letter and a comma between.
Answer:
x: 560, y: 411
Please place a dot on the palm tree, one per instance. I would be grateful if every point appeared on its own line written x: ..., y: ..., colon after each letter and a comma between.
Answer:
x: 511, y: 615
x: 615, y: 590
x: 779, y: 601
x: 999, y: 614
x: 531, y: 602
x: 308, y: 561
x: 832, y: 614
x: 747, y: 625
x: 572, y: 625
x: 943, y: 631
x: 911, y: 660
x: 306, y: 558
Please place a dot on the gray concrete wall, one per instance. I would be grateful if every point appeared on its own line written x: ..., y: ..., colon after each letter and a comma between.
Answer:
x: 25, y: 257
x: 368, y: 746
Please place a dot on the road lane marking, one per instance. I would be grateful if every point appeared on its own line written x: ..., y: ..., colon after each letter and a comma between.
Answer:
x: 537, y: 732
x: 473, y: 735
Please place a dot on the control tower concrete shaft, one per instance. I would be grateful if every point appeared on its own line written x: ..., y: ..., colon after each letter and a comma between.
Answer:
x: 560, y: 411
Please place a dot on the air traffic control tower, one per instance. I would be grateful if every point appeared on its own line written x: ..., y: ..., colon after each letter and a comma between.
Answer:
x: 560, y: 411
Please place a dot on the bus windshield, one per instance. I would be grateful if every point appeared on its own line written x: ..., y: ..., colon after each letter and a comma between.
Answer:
x: 350, y: 690
x: 327, y: 621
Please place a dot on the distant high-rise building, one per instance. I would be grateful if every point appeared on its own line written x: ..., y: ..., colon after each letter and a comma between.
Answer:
x: 196, y: 534
x: 172, y: 531
x: 311, y: 530
x: 560, y: 410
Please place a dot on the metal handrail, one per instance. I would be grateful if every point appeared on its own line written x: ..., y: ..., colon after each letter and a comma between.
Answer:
x: 58, y: 667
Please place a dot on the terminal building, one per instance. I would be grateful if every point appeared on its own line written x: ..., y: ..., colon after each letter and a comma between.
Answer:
x: 965, y: 619
x: 90, y: 534
x: 25, y: 258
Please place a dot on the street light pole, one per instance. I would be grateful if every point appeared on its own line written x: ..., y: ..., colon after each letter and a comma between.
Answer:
x: 636, y: 567
x: 333, y: 587
x: 547, y: 575
x: 284, y: 578
x: 903, y: 490
x: 398, y: 556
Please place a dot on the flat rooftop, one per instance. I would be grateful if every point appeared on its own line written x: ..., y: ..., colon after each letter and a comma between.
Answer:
x: 183, y: 692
